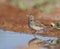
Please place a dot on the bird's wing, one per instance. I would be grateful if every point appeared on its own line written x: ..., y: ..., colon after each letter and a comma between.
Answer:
x: 39, y: 24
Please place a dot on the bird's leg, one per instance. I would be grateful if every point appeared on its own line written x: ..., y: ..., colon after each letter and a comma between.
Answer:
x: 34, y: 35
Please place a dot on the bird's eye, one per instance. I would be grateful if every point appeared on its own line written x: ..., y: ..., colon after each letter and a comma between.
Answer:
x: 51, y: 25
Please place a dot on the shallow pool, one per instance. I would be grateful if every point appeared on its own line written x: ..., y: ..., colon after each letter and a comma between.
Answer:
x: 11, y: 40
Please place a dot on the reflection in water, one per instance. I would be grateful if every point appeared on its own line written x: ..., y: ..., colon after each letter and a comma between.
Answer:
x: 44, y: 44
x: 41, y: 44
x: 11, y: 40
x: 36, y: 41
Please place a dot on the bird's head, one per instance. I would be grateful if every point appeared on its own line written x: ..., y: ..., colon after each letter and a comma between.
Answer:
x: 30, y: 17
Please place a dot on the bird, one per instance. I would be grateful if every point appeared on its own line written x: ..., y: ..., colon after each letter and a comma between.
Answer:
x: 33, y: 24
x: 36, y: 25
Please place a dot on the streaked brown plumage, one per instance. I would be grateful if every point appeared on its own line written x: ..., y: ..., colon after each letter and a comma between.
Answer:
x: 34, y: 24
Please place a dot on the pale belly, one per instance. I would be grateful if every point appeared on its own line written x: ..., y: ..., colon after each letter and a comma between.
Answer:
x: 36, y: 27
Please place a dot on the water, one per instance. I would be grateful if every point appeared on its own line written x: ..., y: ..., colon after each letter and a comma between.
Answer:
x: 11, y: 40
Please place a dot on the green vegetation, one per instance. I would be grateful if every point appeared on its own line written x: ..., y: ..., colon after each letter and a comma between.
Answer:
x: 42, y: 5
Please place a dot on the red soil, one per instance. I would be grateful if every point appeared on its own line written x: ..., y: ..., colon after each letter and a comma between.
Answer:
x: 13, y: 19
